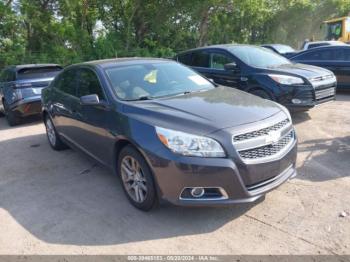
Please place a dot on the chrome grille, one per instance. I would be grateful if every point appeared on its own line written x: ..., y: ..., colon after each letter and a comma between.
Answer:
x: 268, y: 150
x: 324, y: 93
x: 261, y: 132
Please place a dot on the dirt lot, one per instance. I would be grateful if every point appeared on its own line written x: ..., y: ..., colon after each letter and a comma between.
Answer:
x: 63, y: 203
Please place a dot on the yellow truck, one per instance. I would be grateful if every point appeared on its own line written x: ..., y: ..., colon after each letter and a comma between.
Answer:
x: 338, y: 29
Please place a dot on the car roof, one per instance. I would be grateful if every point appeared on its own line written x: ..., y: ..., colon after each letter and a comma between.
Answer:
x: 272, y: 45
x: 19, y: 67
x: 125, y: 60
x: 332, y: 42
x: 221, y: 46
x: 319, y: 48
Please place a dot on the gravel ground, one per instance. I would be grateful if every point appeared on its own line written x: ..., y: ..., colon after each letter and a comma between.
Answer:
x: 63, y: 203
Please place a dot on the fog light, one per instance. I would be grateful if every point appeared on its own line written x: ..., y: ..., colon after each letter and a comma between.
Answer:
x: 197, y: 192
x: 296, y: 101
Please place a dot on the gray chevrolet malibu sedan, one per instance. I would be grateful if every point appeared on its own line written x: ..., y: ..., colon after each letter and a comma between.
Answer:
x: 169, y: 133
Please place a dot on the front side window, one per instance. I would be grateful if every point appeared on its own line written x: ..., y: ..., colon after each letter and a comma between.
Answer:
x: 66, y: 82
x: 258, y: 56
x: 218, y: 61
x: 154, y: 80
x: 88, y: 84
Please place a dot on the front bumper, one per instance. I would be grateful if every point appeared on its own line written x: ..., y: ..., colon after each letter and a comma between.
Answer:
x: 308, y: 95
x: 175, y: 175
x: 27, y: 106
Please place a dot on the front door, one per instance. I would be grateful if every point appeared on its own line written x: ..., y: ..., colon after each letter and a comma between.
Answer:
x: 92, y: 122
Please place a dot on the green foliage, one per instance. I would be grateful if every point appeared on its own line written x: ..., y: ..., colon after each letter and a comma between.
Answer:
x: 70, y: 31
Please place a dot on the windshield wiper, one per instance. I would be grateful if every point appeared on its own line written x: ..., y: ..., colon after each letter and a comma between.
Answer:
x: 141, y: 98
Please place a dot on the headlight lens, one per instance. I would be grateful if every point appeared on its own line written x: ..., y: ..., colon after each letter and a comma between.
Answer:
x: 287, y: 80
x: 189, y: 145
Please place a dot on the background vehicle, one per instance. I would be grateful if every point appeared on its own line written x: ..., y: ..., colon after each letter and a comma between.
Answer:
x: 338, y: 29
x: 284, y: 50
x: 309, y: 45
x: 170, y: 133
x: 263, y: 73
x: 333, y: 58
x: 20, y: 89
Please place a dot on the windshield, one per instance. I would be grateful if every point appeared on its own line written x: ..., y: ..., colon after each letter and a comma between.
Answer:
x: 282, y: 49
x: 154, y: 80
x: 258, y: 56
x: 334, y: 30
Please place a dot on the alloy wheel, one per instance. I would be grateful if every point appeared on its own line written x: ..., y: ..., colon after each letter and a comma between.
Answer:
x: 50, y: 132
x: 134, y: 179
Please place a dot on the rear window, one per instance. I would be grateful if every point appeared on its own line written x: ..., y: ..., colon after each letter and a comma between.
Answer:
x: 38, y: 72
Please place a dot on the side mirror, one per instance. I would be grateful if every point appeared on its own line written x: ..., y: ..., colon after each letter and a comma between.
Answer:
x: 90, y: 100
x: 231, y: 67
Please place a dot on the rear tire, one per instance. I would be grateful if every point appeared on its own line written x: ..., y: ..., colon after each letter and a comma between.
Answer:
x: 261, y: 93
x: 10, y: 115
x: 53, y: 137
x: 136, y: 178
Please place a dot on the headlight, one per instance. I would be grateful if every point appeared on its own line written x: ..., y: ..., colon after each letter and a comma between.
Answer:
x: 189, y: 145
x: 287, y: 80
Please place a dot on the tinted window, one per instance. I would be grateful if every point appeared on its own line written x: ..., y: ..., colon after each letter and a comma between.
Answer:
x: 185, y: 58
x: 316, y: 55
x: 152, y: 80
x: 218, y: 61
x: 38, y: 72
x: 342, y: 55
x: 88, y: 84
x: 258, y: 56
x: 66, y: 82
x: 200, y: 59
x: 316, y: 45
x: 7, y: 75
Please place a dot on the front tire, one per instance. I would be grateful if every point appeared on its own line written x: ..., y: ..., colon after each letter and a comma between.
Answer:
x: 137, y: 179
x: 53, y: 137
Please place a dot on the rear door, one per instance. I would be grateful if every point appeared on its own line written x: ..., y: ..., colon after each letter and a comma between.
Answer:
x: 91, y: 121
x: 63, y: 99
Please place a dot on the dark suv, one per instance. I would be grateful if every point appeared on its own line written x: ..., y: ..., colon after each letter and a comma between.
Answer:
x: 20, y: 89
x: 169, y: 133
x: 261, y: 72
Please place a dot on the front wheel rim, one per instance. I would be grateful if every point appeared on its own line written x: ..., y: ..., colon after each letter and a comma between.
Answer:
x: 50, y: 132
x: 134, y: 180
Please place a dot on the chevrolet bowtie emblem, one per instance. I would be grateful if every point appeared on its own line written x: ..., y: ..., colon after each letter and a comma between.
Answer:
x: 273, y: 137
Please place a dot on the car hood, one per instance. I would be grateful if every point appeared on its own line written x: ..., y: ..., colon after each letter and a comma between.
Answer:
x: 306, y: 71
x: 203, y: 112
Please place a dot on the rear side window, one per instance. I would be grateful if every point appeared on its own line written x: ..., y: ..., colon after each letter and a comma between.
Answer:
x: 342, y: 55
x: 317, y: 55
x: 7, y: 76
x: 185, y: 58
x: 66, y: 82
x: 200, y: 59
x: 218, y: 61
x: 38, y: 72
x: 88, y: 84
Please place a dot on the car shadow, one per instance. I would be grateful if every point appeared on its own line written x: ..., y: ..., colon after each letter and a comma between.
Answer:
x: 27, y: 121
x: 324, y: 159
x: 65, y: 198
x: 299, y: 117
